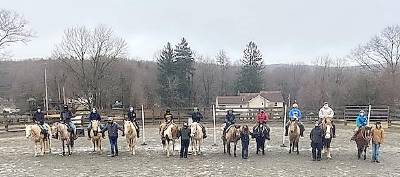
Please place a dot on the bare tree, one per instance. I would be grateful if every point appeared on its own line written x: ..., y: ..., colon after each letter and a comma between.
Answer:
x: 13, y: 29
x: 89, y: 55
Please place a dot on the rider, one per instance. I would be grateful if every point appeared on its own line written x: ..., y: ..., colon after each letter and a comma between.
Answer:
x: 293, y: 114
x: 262, y: 118
x: 66, y: 116
x: 94, y: 115
x: 168, y: 120
x: 197, y: 117
x: 327, y: 112
x: 229, y: 120
x: 361, y: 121
x: 132, y: 117
x: 38, y: 118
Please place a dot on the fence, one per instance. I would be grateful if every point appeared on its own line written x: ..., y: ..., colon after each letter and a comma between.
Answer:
x: 376, y: 113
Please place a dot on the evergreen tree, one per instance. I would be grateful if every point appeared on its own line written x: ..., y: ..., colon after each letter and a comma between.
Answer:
x: 166, y: 76
x: 250, y: 75
x: 184, y: 62
x: 223, y: 63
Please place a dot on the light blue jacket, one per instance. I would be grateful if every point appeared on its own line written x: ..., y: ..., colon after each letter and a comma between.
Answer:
x: 295, y: 112
x: 361, y: 121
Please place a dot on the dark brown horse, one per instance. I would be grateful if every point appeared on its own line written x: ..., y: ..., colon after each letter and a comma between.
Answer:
x: 363, y: 138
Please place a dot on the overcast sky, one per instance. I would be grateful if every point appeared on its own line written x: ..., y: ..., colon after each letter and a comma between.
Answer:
x: 286, y: 31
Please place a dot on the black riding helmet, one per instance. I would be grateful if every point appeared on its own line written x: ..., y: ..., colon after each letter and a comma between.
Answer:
x: 168, y: 111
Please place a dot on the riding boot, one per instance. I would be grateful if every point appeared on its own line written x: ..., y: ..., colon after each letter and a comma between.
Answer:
x: 204, y: 132
x: 103, y: 135
x: 286, y: 130
x: 137, y: 133
x: 301, y: 130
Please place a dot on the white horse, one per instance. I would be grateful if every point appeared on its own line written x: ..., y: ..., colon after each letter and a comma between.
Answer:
x: 168, y: 137
x: 130, y: 134
x: 96, y: 136
x: 38, y: 138
x: 196, y: 135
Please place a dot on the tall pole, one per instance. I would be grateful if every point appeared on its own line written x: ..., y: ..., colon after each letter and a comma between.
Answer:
x: 214, y: 117
x: 63, y: 90
x: 45, y: 85
x: 144, y: 140
x: 284, y: 124
x: 369, y: 114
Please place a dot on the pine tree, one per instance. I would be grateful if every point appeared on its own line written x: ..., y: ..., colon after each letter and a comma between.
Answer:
x: 184, y: 62
x: 223, y: 63
x: 166, y: 76
x: 250, y: 75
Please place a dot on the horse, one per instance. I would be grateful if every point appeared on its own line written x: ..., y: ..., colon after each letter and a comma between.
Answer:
x: 60, y: 131
x: 232, y: 135
x: 95, y: 136
x: 131, y: 135
x: 168, y: 136
x: 38, y: 138
x: 294, y: 136
x: 363, y: 138
x: 327, y: 139
x: 260, y: 133
x: 196, y: 136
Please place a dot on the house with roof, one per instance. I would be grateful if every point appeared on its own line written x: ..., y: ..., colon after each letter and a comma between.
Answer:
x: 245, y: 102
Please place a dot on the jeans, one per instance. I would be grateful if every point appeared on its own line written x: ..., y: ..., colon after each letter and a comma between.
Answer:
x: 184, y: 148
x: 113, y: 145
x: 375, y: 151
x: 316, y: 150
x: 72, y: 125
x: 245, y: 150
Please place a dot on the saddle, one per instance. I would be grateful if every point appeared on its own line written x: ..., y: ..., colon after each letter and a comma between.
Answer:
x: 69, y: 128
x: 43, y: 130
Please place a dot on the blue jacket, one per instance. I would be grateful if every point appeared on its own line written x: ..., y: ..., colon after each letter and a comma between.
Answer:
x: 230, y: 119
x: 245, y: 138
x: 132, y: 116
x: 112, y: 129
x: 94, y: 116
x: 38, y: 117
x: 295, y: 112
x: 185, y: 134
x: 66, y: 116
x: 361, y: 121
x: 197, y: 117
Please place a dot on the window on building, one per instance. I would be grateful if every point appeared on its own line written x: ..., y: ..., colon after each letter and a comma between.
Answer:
x: 276, y: 104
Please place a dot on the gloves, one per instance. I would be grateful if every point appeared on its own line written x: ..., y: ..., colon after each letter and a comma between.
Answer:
x: 123, y: 134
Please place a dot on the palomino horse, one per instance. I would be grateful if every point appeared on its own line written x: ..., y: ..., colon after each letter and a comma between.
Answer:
x: 260, y: 132
x: 38, y: 138
x: 60, y: 131
x: 294, y: 136
x: 363, y: 138
x: 131, y: 135
x: 327, y: 139
x: 96, y: 136
x: 196, y: 136
x: 232, y: 135
x: 168, y: 136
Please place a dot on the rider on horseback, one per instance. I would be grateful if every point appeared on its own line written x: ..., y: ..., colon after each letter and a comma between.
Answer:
x: 132, y: 117
x: 168, y: 118
x: 65, y: 117
x: 94, y: 115
x: 38, y: 118
x: 262, y: 119
x: 361, y: 121
x: 327, y: 113
x: 229, y: 120
x: 197, y: 117
x: 295, y: 113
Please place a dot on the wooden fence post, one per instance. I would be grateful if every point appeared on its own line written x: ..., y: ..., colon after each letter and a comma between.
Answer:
x: 153, y: 115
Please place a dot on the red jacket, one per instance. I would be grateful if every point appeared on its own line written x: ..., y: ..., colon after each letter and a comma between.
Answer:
x: 262, y: 117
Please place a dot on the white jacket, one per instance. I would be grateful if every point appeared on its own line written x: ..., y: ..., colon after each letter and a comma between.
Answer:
x: 326, y: 113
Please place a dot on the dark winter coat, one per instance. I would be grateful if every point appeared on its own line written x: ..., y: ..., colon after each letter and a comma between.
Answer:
x: 112, y: 129
x: 94, y: 116
x: 245, y: 138
x: 316, y: 135
x: 66, y: 116
x: 132, y: 116
x: 185, y: 134
x: 197, y: 117
x: 230, y: 119
x: 38, y: 117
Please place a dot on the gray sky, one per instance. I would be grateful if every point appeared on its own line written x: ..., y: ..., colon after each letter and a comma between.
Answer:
x: 286, y: 31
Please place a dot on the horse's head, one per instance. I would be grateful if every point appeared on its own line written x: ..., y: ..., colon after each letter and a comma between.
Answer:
x: 28, y: 131
x: 95, y: 127
x: 237, y: 130
x: 193, y: 129
x: 54, y: 129
x: 293, y: 125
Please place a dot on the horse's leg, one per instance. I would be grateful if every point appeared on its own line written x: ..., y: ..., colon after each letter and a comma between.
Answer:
x: 100, y: 150
x: 257, y: 146
x: 365, y: 152
x: 224, y: 142
x: 63, y: 147
x: 49, y: 141
x: 263, y: 147
x: 290, y: 147
x: 234, y: 149
x: 35, y: 149
x: 228, y: 146
x: 297, y: 146
x: 359, y: 150
x: 167, y: 143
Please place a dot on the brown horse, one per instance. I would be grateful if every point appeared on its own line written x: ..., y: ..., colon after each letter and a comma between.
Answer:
x: 327, y: 139
x: 96, y: 135
x: 294, y: 136
x: 169, y: 133
x: 232, y: 135
x: 60, y: 131
x: 38, y: 138
x: 363, y: 138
